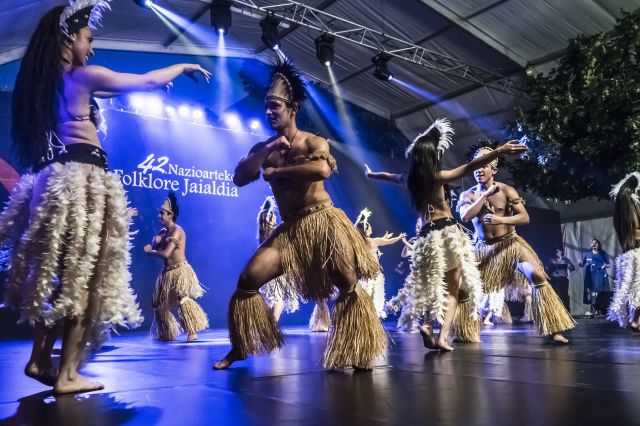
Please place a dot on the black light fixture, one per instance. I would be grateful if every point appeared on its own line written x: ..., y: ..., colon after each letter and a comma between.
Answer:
x: 221, y: 16
x: 324, y: 49
x: 146, y: 4
x: 382, y: 69
x: 270, y: 34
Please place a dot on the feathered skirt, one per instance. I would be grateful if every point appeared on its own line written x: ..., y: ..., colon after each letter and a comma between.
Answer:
x: 280, y: 289
x: 627, y: 292
x: 425, y: 290
x: 67, y: 229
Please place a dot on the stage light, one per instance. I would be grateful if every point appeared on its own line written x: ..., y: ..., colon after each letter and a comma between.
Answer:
x: 136, y: 101
x: 232, y: 121
x: 184, y: 111
x: 221, y: 16
x: 198, y: 114
x: 382, y: 70
x: 170, y: 110
x: 254, y: 124
x: 146, y: 4
x: 154, y: 105
x: 270, y: 34
x: 324, y: 49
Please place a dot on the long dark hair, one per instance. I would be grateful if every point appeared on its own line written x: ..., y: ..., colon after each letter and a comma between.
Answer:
x: 34, y: 105
x: 360, y: 226
x: 625, y: 214
x: 424, y: 171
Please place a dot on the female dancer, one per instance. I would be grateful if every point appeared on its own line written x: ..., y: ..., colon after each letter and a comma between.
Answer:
x: 443, y: 260
x: 67, y: 221
x: 625, y: 307
x: 279, y: 293
x: 177, y: 285
x: 375, y: 286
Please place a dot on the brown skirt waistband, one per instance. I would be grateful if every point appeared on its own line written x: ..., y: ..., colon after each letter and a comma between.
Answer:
x: 305, y: 211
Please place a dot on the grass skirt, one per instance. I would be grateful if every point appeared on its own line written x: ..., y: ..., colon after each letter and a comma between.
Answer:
x: 425, y: 291
x: 68, y: 228
x: 176, y: 287
x: 317, y: 243
x: 498, y: 264
x: 375, y: 289
x: 627, y: 291
x: 280, y: 289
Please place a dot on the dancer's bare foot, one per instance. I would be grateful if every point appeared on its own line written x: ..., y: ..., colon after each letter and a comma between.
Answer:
x: 191, y: 337
x: 78, y: 384
x: 426, y: 331
x: 45, y: 373
x: 444, y: 345
x: 559, y: 339
x: 320, y: 330
x: 228, y: 359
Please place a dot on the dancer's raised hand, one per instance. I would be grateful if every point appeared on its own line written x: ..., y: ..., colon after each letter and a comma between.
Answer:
x: 512, y: 147
x: 192, y: 71
x: 367, y: 170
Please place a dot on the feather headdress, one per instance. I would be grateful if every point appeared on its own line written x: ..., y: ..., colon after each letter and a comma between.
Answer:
x: 616, y: 188
x: 483, y: 146
x: 83, y: 13
x: 363, y: 217
x: 445, y: 131
x: 287, y: 83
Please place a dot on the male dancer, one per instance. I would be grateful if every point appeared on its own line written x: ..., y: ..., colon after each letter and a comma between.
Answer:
x: 495, y: 209
x: 316, y: 245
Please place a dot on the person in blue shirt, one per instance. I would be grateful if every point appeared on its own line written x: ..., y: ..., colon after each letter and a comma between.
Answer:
x: 596, y: 261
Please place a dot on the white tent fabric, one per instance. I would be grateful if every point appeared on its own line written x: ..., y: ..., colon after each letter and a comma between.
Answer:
x: 502, y: 36
x: 576, y: 238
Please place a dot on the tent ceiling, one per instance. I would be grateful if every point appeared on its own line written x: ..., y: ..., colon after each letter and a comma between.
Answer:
x: 502, y: 36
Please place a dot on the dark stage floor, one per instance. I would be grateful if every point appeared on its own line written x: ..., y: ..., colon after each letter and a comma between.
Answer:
x: 512, y: 378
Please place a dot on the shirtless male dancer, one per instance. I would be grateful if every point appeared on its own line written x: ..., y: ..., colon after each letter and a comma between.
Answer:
x: 316, y: 246
x: 495, y: 209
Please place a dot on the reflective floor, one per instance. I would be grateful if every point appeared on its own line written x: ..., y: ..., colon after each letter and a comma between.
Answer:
x: 513, y: 378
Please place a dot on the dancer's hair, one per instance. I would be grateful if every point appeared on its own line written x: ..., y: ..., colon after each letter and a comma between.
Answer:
x: 625, y: 214
x: 486, y: 143
x: 173, y: 200
x: 424, y: 171
x: 296, y: 87
x: 362, y: 227
x: 39, y: 82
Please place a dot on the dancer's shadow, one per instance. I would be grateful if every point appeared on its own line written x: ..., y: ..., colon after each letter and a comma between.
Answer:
x: 86, y: 409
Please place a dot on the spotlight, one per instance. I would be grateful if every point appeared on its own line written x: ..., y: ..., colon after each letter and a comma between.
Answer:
x: 232, y: 121
x: 184, y: 111
x: 221, y: 16
x: 145, y: 4
x: 155, y: 105
x: 530, y: 71
x: 382, y: 70
x: 324, y: 49
x: 254, y: 124
x: 136, y: 101
x: 170, y: 110
x: 198, y: 114
x: 270, y: 34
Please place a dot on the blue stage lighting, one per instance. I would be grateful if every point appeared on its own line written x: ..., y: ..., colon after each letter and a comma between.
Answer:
x: 221, y: 16
x: 324, y: 49
x: 254, y: 124
x: 136, y: 101
x: 382, y: 70
x: 184, y: 111
x: 146, y: 4
x: 270, y: 34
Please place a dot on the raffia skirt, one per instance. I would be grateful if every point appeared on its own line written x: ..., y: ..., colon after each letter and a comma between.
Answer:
x: 627, y: 292
x: 498, y: 263
x: 176, y: 287
x: 68, y: 231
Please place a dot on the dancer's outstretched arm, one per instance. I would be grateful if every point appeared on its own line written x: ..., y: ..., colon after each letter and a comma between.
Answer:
x: 104, y: 81
x: 387, y: 239
x: 509, y: 148
x: 399, y: 178
x: 316, y: 169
